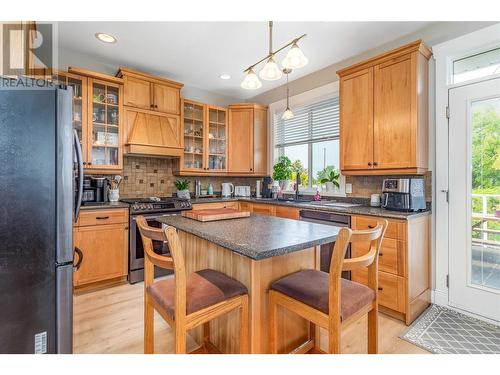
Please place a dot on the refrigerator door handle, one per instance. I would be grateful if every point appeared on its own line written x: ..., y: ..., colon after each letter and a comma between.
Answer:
x: 79, y: 160
x: 76, y: 266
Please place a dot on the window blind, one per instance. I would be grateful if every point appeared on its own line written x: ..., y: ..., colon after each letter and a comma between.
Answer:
x: 313, y: 123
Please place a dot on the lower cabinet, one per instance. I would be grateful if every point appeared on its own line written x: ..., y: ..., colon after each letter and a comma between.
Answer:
x: 104, y: 246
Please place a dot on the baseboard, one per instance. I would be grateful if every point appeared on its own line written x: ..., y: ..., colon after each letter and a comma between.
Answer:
x: 440, y: 297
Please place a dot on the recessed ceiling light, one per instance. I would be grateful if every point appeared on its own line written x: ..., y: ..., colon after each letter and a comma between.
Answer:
x: 106, y: 38
x: 225, y: 76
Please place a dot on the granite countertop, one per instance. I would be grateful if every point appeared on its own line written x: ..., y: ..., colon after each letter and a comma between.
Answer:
x: 319, y: 206
x: 257, y: 237
x: 106, y: 205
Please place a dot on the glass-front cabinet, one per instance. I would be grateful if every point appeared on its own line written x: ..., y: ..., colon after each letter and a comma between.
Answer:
x: 194, y: 137
x: 79, y: 104
x: 217, y: 131
x: 205, y: 132
x: 105, y: 149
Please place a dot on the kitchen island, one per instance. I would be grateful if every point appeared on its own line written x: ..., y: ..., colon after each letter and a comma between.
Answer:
x: 256, y: 251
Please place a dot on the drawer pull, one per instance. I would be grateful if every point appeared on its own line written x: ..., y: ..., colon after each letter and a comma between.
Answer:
x: 380, y: 288
x: 102, y: 217
x: 380, y: 254
x: 371, y: 226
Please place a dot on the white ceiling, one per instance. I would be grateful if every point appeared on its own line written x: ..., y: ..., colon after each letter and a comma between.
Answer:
x: 196, y: 53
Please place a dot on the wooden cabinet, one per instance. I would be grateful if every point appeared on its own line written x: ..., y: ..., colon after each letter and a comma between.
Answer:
x: 287, y: 212
x: 263, y: 209
x: 205, y: 138
x: 247, y: 141
x: 145, y: 91
x: 404, y: 270
x: 97, y: 118
x: 384, y: 113
x: 102, y: 237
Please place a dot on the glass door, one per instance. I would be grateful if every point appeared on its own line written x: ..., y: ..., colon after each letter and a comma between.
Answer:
x: 474, y: 204
x: 217, y: 135
x: 79, y: 105
x: 194, y: 133
x: 104, y: 138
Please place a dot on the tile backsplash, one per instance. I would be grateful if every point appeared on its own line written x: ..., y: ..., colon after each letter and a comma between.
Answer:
x: 146, y: 177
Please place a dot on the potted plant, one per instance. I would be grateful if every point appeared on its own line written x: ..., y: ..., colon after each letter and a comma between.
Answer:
x: 282, y: 171
x: 182, y: 189
x: 330, y: 179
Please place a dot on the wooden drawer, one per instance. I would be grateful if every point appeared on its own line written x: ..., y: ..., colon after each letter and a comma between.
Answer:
x: 246, y: 206
x: 391, y: 288
x: 287, y: 212
x: 102, y: 216
x: 395, y: 229
x: 263, y: 209
x: 391, y: 256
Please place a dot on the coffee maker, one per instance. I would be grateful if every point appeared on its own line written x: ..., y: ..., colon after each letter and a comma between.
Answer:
x: 267, y: 187
x: 95, y: 190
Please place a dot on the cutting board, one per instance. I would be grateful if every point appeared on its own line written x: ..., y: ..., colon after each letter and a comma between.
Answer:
x: 215, y: 214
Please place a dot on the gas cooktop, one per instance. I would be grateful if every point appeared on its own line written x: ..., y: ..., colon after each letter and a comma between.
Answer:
x: 157, y: 204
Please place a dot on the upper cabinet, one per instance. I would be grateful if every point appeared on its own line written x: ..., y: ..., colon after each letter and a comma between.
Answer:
x: 247, y: 139
x: 152, y: 114
x: 145, y: 91
x: 384, y: 113
x: 97, y: 118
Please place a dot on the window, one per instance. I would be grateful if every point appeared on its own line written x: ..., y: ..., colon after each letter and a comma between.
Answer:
x: 476, y: 66
x: 310, y: 140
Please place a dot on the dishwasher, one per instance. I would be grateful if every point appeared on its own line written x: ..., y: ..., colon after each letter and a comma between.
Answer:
x: 328, y: 218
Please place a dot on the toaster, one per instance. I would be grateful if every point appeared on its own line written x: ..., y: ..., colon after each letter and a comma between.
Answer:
x: 242, y: 191
x: 403, y: 194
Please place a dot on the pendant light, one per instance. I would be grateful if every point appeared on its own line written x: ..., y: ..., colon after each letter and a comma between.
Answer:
x: 288, y: 114
x: 251, y: 81
x: 295, y: 58
x: 270, y: 71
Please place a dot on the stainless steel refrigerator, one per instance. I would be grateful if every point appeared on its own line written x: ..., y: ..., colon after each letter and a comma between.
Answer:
x: 39, y: 199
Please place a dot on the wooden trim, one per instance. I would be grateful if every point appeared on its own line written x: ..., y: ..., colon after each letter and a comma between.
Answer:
x: 122, y: 71
x: 96, y: 75
x: 417, y: 45
x: 382, y: 172
x: 247, y: 106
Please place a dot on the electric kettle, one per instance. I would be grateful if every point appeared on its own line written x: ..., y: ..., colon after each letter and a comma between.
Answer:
x: 227, y: 189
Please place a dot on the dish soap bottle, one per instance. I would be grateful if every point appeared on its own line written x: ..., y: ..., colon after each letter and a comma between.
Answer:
x: 210, y: 189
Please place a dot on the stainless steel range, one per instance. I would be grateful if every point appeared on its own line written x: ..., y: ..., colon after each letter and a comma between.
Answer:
x: 151, y: 208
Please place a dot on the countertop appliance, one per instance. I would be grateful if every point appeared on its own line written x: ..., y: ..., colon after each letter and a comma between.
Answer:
x: 267, y: 187
x: 403, y: 194
x: 328, y: 218
x: 95, y: 190
x: 242, y: 191
x: 40, y: 200
x: 227, y: 189
x: 151, y: 208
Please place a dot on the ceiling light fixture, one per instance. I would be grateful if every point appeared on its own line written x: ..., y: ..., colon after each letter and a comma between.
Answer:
x: 288, y: 114
x: 251, y: 81
x: 271, y: 72
x: 106, y: 38
x: 225, y: 76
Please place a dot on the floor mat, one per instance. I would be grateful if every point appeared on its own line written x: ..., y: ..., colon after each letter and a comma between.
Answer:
x: 444, y: 331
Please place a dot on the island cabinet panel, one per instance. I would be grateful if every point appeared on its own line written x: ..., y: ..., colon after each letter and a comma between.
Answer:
x: 257, y: 276
x: 263, y: 209
x: 287, y: 212
x: 384, y: 113
x: 102, y: 237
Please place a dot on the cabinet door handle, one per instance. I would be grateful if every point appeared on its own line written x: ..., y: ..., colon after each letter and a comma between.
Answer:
x: 380, y: 288
x: 76, y: 266
x: 375, y: 163
x: 89, y: 163
x: 156, y: 106
x: 371, y: 226
x: 102, y: 217
x: 380, y: 254
x: 151, y: 106
x: 369, y: 163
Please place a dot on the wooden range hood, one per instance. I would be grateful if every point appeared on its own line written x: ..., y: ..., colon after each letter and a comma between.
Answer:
x: 152, y: 134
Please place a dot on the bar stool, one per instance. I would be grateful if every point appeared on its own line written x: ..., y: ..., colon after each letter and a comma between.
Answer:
x: 329, y: 301
x: 186, y: 301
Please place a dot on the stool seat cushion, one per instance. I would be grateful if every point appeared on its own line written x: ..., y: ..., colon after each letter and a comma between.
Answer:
x: 203, y: 289
x: 311, y: 288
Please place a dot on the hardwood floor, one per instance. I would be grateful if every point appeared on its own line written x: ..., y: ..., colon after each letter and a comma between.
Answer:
x: 110, y: 321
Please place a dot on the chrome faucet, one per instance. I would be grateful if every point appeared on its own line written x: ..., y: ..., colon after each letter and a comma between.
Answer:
x: 297, y: 183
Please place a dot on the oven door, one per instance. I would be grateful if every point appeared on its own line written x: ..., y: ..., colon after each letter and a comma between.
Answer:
x: 136, y: 249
